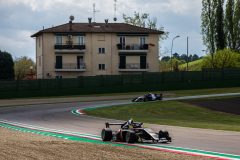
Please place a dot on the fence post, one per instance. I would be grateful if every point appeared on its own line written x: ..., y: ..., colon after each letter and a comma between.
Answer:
x: 202, y: 74
x: 182, y: 76
x: 17, y: 85
x: 223, y: 74
x: 39, y: 84
x: 142, y: 77
x: 59, y: 83
x: 163, y: 77
x: 102, y: 80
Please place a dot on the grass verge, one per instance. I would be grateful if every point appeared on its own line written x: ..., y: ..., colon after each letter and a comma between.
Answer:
x: 173, y: 113
x: 192, y: 66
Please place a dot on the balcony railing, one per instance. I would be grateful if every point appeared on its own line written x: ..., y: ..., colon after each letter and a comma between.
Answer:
x: 132, y: 46
x: 70, y: 66
x: 133, y: 66
x: 70, y: 46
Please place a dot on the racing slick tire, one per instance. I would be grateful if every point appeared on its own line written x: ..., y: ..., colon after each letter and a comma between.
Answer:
x: 141, y: 100
x: 130, y: 137
x: 106, y: 134
x: 161, y: 134
x: 166, y: 134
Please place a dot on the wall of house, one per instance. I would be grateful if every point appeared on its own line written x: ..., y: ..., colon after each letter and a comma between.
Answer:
x: 153, y: 55
x: 92, y: 58
x: 39, y: 55
x: 48, y: 55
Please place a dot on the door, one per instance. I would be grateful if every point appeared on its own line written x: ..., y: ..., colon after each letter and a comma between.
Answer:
x: 122, y: 64
x: 58, y: 62
x: 143, y: 62
x: 122, y: 42
x: 80, y: 64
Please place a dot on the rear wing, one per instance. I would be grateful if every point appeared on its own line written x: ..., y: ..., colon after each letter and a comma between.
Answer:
x: 113, y: 124
x: 121, y: 124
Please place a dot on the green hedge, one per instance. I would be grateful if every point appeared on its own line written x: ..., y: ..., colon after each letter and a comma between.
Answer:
x: 120, y: 83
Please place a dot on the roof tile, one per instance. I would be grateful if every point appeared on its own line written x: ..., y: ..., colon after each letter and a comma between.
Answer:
x: 98, y: 28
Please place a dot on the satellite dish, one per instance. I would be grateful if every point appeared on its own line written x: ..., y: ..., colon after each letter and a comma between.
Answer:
x: 115, y: 19
x: 71, y: 18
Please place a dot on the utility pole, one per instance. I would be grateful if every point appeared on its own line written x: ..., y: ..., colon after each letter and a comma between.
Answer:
x: 187, y: 54
x: 172, y: 50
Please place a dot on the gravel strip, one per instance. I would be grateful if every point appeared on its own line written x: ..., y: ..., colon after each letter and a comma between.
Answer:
x: 17, y: 146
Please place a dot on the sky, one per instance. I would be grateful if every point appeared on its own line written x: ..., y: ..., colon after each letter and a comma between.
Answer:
x: 22, y: 18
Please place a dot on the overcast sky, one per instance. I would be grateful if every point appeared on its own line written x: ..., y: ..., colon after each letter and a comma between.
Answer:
x: 21, y: 18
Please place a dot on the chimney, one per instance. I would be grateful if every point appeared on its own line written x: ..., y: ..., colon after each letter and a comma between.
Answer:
x: 70, y: 25
x: 90, y: 21
x: 106, y: 22
x: 70, y: 22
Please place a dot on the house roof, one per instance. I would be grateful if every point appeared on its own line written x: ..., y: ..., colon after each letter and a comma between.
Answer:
x: 98, y: 28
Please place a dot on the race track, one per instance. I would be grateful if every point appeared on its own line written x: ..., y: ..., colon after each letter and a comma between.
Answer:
x: 59, y: 117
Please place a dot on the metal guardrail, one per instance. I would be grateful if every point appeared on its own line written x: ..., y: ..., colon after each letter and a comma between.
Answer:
x: 134, y: 66
x: 132, y: 46
x: 70, y: 66
x: 70, y: 46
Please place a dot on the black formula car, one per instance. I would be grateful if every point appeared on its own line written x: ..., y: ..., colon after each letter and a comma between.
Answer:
x: 148, y: 97
x: 133, y: 132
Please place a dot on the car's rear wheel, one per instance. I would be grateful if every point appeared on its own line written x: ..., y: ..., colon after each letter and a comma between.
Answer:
x: 106, y: 134
x: 160, y: 134
x: 130, y: 137
x: 166, y: 134
x: 141, y: 100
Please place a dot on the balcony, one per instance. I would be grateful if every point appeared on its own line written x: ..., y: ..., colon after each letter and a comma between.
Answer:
x: 70, y: 67
x: 69, y: 47
x: 132, y: 47
x: 133, y: 67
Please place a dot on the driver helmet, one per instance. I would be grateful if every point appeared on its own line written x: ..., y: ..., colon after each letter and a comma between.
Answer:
x: 130, y: 121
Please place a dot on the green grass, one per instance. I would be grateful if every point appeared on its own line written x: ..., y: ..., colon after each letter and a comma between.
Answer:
x: 202, y: 92
x: 192, y: 66
x: 171, y: 113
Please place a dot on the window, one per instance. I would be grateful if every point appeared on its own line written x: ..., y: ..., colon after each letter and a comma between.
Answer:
x: 101, y: 66
x: 58, y: 62
x: 122, y: 40
x: 142, y: 40
x: 101, y: 50
x: 58, y: 40
x: 81, y: 40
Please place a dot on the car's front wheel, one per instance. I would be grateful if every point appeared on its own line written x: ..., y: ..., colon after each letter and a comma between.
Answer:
x: 106, y: 134
x: 130, y: 137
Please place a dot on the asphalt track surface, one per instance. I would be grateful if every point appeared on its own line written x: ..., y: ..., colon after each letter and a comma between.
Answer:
x: 59, y: 117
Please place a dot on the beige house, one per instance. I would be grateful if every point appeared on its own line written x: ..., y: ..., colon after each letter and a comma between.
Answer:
x: 88, y: 49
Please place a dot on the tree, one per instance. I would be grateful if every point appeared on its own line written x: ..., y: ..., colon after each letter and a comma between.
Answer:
x: 236, y: 28
x: 165, y: 58
x: 6, y: 66
x: 208, y: 24
x: 229, y: 25
x: 23, y: 67
x: 195, y: 57
x: 223, y: 59
x: 220, y: 36
x: 144, y: 20
x: 184, y: 57
x: 176, y: 55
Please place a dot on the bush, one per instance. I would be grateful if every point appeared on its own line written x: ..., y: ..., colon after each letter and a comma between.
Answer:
x: 222, y: 59
x: 6, y: 66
